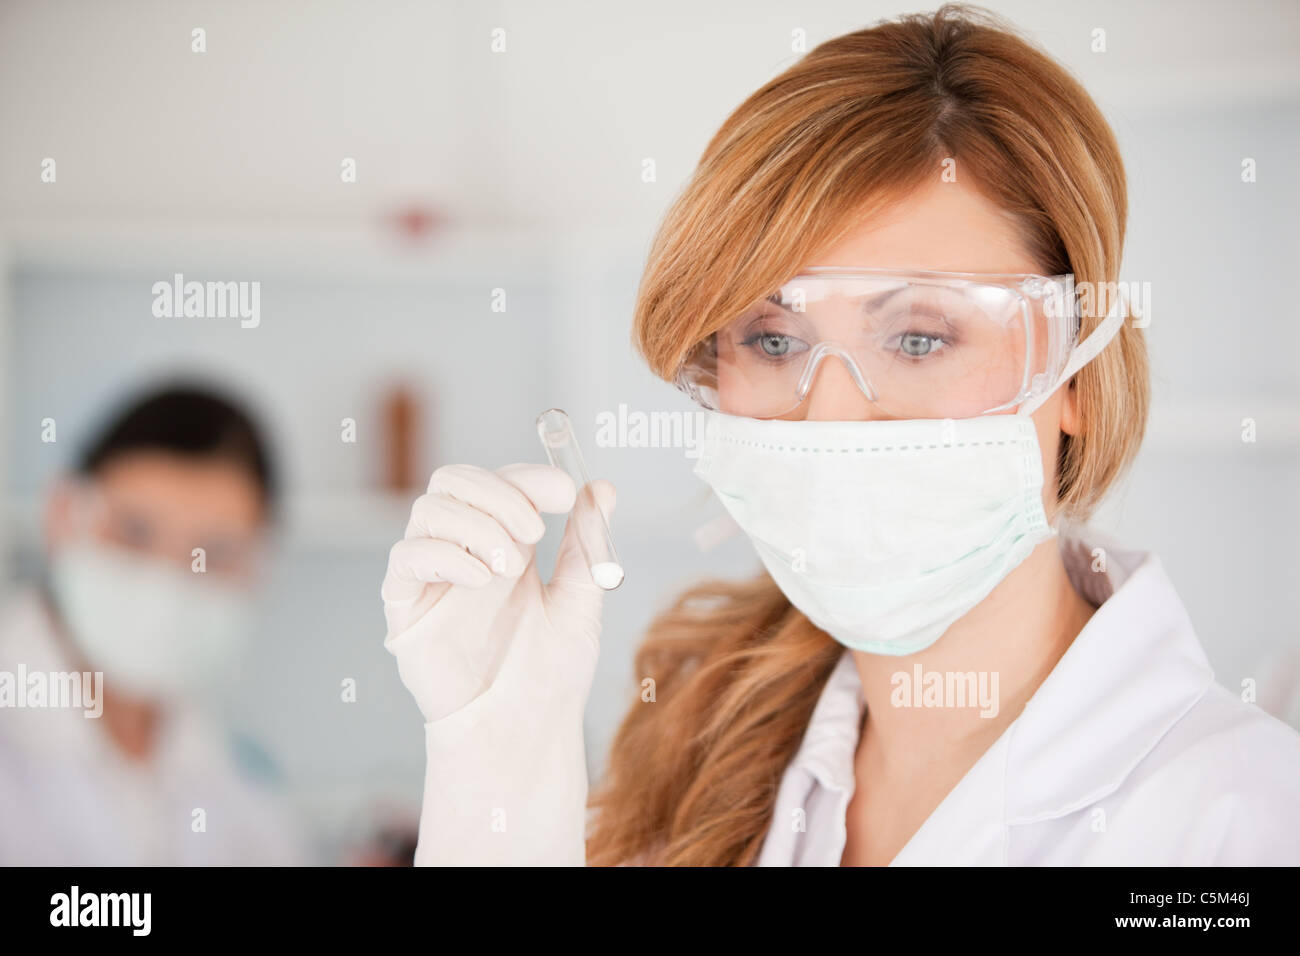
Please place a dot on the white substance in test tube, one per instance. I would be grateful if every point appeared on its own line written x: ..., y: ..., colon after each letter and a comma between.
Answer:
x: 607, y: 574
x: 556, y: 432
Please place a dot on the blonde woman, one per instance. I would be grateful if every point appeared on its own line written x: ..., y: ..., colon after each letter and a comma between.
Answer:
x: 882, y: 282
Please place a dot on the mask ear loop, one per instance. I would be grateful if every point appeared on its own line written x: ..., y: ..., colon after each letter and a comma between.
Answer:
x: 1085, y: 351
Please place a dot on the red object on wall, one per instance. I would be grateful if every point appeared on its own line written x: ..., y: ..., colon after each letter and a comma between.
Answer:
x: 401, y: 417
x: 416, y: 223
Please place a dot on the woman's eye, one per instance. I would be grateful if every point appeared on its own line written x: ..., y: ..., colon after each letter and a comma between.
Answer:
x: 134, y: 531
x: 918, y: 344
x: 773, y: 344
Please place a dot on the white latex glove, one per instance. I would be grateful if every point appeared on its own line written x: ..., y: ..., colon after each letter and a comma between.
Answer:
x: 499, y: 664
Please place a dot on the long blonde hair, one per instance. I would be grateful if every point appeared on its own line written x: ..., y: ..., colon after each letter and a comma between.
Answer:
x: 692, y: 779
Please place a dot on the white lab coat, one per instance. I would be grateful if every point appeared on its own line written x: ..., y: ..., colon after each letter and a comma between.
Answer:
x: 1128, y: 753
x: 69, y: 797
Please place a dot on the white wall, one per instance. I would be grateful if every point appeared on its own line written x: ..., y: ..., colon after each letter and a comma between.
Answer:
x: 550, y: 132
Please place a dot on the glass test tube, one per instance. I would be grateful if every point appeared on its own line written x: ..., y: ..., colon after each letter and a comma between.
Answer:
x: 556, y: 432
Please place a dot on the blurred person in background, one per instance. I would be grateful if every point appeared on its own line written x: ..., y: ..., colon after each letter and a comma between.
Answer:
x: 153, y: 548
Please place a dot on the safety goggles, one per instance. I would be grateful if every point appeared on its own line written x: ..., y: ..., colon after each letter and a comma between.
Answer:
x: 917, y: 344
x: 223, y: 553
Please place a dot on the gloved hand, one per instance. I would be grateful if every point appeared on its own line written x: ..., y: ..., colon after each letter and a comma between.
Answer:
x: 499, y: 664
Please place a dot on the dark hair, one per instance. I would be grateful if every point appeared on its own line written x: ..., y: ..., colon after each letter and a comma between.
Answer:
x: 189, y: 421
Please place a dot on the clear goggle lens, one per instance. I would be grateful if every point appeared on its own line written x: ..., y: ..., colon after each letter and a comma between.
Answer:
x: 135, y: 526
x: 918, y: 345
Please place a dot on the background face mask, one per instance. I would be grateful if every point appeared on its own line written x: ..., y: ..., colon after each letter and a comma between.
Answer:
x: 882, y: 533
x: 154, y: 629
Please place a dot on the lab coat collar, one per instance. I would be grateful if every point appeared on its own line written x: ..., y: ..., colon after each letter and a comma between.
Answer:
x: 831, y: 738
x: 1101, y: 709
x: 1098, y: 713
